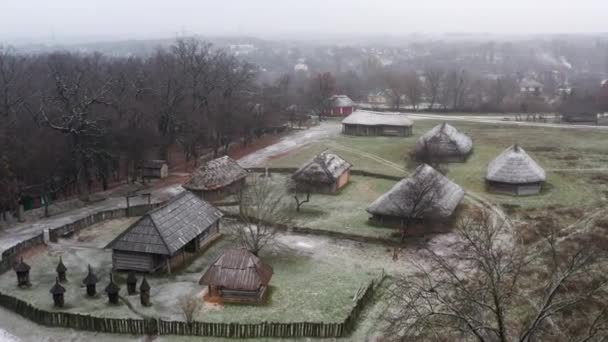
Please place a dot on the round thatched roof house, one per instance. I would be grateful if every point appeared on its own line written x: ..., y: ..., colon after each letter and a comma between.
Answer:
x: 445, y: 142
x: 514, y: 172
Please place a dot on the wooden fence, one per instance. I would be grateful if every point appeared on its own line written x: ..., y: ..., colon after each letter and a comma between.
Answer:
x: 151, y: 326
x: 353, y: 172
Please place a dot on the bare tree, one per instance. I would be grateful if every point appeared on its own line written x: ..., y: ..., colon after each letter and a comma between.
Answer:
x: 433, y: 81
x: 413, y: 89
x: 261, y: 210
x: 189, y: 306
x: 396, y: 85
x: 301, y: 195
x: 494, y: 289
x: 419, y: 201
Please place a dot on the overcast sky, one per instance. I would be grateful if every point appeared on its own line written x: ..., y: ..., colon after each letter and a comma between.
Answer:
x: 121, y: 19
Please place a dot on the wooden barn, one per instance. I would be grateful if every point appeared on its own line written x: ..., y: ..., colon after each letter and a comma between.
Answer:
x: 237, y: 276
x: 375, y: 124
x: 339, y: 105
x: 167, y: 236
x: 445, y: 142
x: 325, y: 173
x: 155, y: 169
x: 393, y: 207
x: 514, y: 172
x: 217, y: 179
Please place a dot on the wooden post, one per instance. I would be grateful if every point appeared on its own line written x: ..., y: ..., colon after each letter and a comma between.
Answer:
x: 128, y: 205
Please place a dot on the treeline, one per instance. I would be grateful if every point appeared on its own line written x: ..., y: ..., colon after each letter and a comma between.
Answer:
x: 70, y: 120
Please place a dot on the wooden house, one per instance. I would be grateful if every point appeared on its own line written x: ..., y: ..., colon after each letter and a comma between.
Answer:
x: 155, y: 169
x: 393, y: 207
x: 217, y: 179
x: 339, y: 105
x: 325, y: 173
x: 514, y: 172
x: 375, y: 124
x: 167, y: 236
x: 237, y: 276
x: 446, y: 143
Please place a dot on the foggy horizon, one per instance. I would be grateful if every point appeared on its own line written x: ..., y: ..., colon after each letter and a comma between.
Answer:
x: 65, y: 21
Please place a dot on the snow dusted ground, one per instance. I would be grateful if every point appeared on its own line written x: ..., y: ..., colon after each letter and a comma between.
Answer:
x: 291, y: 142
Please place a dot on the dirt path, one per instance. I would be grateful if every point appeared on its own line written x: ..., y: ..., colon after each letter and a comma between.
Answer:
x: 291, y: 142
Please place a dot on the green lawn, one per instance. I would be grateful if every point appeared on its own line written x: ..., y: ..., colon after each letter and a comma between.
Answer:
x: 553, y: 148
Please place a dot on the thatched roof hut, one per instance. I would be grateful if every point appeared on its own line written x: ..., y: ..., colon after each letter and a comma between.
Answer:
x: 183, y: 225
x: 515, y: 172
x: 238, y: 276
x: 445, y: 142
x: 377, y: 124
x: 397, y: 204
x: 325, y: 173
x: 217, y: 178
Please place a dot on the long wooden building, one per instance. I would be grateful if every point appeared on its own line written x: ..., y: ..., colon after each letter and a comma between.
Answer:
x: 167, y: 236
x: 376, y: 124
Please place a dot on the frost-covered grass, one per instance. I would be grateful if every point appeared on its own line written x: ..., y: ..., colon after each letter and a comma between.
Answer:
x: 557, y: 150
x: 314, y: 279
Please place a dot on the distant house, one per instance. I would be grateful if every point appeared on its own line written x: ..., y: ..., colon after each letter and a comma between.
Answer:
x: 446, y: 143
x: 378, y: 98
x: 375, y: 124
x: 325, y: 173
x: 531, y: 86
x: 155, y: 169
x: 514, y: 172
x: 393, y: 207
x: 237, y: 276
x: 217, y: 179
x: 339, y: 105
x: 165, y: 237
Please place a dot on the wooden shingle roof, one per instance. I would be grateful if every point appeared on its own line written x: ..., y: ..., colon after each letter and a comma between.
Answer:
x: 238, y: 269
x: 326, y: 167
x: 365, y: 118
x: 167, y: 229
x: 515, y: 166
x: 338, y: 101
x: 215, y: 174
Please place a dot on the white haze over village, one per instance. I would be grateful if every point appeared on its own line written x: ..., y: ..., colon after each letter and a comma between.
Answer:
x: 65, y: 21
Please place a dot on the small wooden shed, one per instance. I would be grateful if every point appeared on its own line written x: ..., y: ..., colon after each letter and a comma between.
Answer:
x: 167, y: 236
x: 394, y: 206
x: 514, y: 172
x: 445, y: 142
x: 339, y: 105
x: 155, y: 169
x: 217, y: 179
x: 376, y: 124
x: 238, y: 276
x: 325, y: 173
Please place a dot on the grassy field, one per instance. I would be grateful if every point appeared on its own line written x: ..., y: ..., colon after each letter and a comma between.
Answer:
x: 559, y: 151
x: 314, y: 279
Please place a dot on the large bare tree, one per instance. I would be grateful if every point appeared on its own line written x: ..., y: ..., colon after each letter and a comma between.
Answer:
x: 495, y: 289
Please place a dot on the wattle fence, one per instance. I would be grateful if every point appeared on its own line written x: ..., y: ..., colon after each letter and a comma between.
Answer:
x: 152, y: 326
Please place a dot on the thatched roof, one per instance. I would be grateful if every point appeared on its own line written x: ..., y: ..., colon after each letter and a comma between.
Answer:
x: 365, y: 118
x: 515, y: 166
x: 445, y: 140
x: 112, y: 288
x: 337, y: 101
x: 326, y: 167
x: 396, y: 202
x: 144, y: 285
x: 167, y: 229
x: 215, y: 174
x: 61, y: 267
x: 238, y: 269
